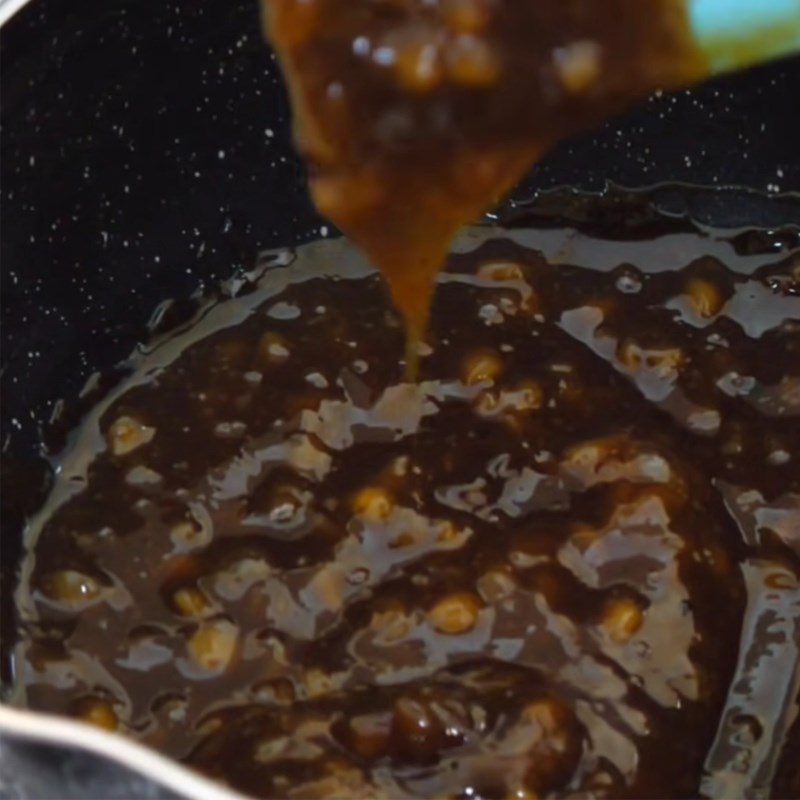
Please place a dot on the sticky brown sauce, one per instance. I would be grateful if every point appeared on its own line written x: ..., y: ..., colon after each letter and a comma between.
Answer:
x: 417, y: 117
x: 563, y: 563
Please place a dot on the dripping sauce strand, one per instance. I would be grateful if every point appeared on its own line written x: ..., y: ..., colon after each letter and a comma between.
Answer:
x: 415, y: 118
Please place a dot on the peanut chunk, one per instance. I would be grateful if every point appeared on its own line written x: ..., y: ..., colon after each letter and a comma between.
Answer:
x: 317, y: 682
x: 191, y: 602
x: 548, y: 717
x: 621, y: 619
x: 100, y: 714
x: 213, y: 644
x: 472, y: 62
x: 545, y: 713
x: 466, y: 16
x: 449, y: 535
x: 705, y: 297
x: 71, y: 588
x: 127, y: 433
x: 391, y: 625
x: 577, y: 66
x: 521, y: 793
x: 373, y: 503
x: 457, y: 613
x: 495, y: 585
x: 481, y: 366
x: 501, y: 271
x: 418, y: 66
x: 665, y: 363
x: 487, y: 404
x: 189, y: 534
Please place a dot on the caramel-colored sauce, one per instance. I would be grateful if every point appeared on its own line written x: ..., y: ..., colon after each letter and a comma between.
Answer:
x: 416, y: 117
x: 564, y: 563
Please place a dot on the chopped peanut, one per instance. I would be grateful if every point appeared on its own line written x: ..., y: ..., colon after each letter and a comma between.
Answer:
x: 548, y: 716
x: 545, y: 713
x: 466, y: 16
x: 304, y: 456
x: 448, y: 534
x: 392, y: 625
x: 187, y: 534
x: 373, y: 503
x: 472, y: 62
x: 418, y: 66
x: 455, y: 614
x: 521, y: 793
x: 71, y: 588
x: 577, y: 66
x: 213, y: 644
x: 501, y: 271
x: 487, y: 404
x: 704, y: 297
x: 495, y: 585
x: 100, y: 714
x: 481, y: 366
x: 664, y: 362
x: 126, y: 434
x: 621, y: 619
x: 317, y: 682
x: 191, y: 602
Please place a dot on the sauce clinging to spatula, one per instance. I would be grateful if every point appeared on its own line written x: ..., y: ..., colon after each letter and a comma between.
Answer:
x: 416, y: 116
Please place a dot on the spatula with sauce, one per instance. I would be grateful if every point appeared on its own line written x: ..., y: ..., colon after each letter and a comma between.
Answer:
x: 416, y: 116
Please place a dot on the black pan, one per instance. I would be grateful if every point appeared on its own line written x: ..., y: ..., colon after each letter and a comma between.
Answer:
x: 146, y: 154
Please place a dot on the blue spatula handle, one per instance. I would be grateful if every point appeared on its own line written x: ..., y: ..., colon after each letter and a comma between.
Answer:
x: 735, y: 33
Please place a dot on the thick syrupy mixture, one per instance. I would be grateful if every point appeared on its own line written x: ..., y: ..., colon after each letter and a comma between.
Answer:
x: 565, y: 563
x: 416, y: 116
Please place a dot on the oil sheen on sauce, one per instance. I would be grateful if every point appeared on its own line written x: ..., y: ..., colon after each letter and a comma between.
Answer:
x: 416, y: 117
x: 564, y: 563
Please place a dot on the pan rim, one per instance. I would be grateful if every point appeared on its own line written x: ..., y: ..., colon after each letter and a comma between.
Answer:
x: 48, y: 729
x: 8, y: 8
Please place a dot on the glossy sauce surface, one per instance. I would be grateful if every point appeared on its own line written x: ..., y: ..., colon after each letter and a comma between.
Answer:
x: 565, y: 562
x: 416, y: 117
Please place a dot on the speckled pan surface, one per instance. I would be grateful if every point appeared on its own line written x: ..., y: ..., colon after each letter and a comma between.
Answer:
x: 146, y: 153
